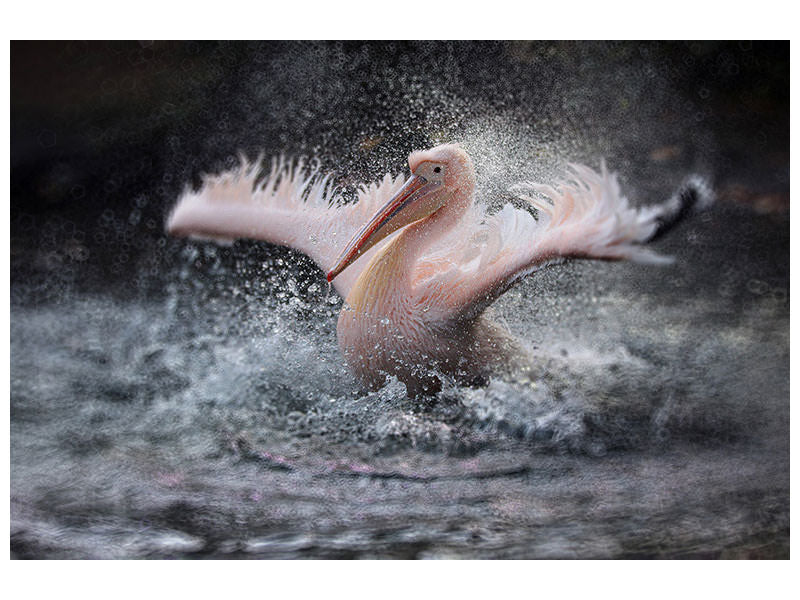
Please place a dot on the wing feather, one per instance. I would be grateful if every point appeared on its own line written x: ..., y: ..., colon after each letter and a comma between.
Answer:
x: 584, y: 216
x: 292, y: 204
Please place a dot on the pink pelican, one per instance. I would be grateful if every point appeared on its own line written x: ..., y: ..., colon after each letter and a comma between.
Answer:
x: 419, y: 261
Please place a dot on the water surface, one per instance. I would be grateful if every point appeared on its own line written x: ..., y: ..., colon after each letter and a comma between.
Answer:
x: 177, y: 399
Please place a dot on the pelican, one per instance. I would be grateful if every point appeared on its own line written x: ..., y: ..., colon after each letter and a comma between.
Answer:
x: 418, y: 262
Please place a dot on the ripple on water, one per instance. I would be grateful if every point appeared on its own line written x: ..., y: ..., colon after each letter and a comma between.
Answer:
x: 135, y: 435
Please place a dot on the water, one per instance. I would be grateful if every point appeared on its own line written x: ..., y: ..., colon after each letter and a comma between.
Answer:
x: 139, y: 432
x: 175, y: 399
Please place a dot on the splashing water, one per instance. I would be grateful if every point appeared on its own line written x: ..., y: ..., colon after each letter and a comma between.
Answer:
x: 181, y: 399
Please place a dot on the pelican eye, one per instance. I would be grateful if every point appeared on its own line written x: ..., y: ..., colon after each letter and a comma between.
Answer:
x: 437, y: 169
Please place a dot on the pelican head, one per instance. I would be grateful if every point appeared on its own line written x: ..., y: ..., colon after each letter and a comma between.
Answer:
x: 438, y: 177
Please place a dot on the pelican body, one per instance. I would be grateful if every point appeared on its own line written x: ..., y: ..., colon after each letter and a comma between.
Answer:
x: 419, y: 261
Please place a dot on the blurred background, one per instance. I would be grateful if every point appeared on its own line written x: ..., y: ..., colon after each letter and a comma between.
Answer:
x: 171, y: 398
x: 105, y: 135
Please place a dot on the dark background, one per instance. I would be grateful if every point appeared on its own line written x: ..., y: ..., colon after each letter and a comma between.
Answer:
x: 104, y: 135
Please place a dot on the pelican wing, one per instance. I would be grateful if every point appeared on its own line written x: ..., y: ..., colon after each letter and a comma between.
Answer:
x: 584, y: 217
x: 291, y: 205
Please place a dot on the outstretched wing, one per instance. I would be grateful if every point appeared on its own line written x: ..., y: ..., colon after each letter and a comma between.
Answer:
x: 291, y: 205
x: 584, y: 217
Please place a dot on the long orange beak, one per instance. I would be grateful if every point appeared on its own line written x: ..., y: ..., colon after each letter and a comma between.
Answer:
x: 403, y: 208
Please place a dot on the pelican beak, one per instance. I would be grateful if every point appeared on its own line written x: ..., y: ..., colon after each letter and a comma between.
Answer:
x: 411, y: 203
